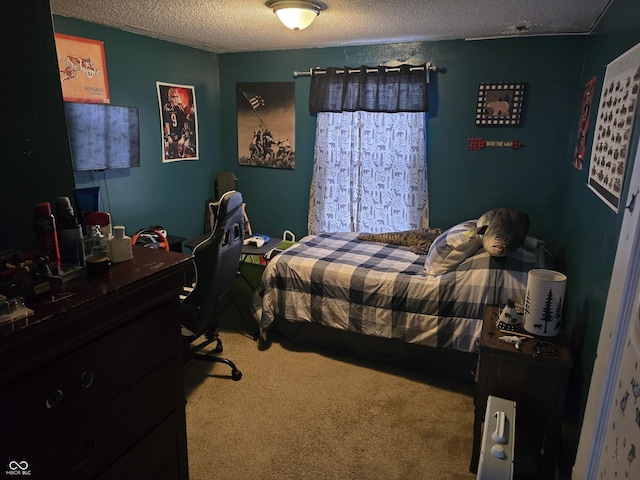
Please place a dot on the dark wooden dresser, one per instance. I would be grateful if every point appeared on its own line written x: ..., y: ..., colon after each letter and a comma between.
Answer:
x: 93, y: 386
x: 537, y: 382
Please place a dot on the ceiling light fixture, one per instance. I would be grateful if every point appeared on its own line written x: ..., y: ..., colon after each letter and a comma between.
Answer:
x: 296, y: 15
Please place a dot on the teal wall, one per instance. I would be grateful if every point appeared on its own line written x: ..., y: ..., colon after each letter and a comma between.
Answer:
x: 462, y: 184
x: 587, y: 230
x: 580, y: 230
x: 171, y: 194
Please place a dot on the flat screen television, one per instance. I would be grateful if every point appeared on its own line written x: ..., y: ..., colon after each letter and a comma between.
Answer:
x: 103, y: 136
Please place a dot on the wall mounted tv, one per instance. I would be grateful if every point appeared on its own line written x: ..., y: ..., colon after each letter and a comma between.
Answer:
x: 103, y: 136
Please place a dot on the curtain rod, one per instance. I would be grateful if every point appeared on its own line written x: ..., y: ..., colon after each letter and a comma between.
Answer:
x: 321, y: 71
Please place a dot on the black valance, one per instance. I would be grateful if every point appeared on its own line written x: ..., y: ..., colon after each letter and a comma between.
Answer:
x: 370, y: 89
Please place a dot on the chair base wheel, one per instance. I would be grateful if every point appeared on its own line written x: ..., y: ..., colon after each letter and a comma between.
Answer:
x: 236, y: 375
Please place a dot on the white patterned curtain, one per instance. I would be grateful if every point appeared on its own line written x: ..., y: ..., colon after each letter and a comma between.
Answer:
x: 370, y: 161
x: 370, y: 173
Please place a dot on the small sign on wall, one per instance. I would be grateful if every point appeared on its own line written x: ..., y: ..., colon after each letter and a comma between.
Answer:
x: 83, y: 71
x: 480, y: 144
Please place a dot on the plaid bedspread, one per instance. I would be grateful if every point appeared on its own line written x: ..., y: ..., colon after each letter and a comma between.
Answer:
x: 377, y: 289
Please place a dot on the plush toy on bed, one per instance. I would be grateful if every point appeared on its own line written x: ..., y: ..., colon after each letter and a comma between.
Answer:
x: 502, y: 230
x: 418, y: 240
x: 498, y: 232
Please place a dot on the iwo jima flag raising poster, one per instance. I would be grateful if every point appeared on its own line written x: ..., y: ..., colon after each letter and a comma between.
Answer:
x: 266, y: 124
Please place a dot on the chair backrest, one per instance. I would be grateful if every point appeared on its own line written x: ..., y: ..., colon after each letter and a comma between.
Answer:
x: 216, y: 260
x: 225, y: 182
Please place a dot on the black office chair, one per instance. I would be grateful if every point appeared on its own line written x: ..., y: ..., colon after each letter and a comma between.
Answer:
x: 216, y: 262
x: 225, y: 182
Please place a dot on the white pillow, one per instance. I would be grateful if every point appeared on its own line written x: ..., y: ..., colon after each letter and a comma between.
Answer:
x: 530, y: 244
x: 452, y: 247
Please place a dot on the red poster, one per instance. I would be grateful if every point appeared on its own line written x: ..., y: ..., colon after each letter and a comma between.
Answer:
x: 583, y: 126
x: 83, y: 71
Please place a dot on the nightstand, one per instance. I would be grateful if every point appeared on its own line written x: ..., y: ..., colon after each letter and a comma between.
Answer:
x: 537, y: 382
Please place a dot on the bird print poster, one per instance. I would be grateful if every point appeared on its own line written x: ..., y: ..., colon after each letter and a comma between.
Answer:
x: 621, y: 445
x: 612, y: 134
x: 266, y: 124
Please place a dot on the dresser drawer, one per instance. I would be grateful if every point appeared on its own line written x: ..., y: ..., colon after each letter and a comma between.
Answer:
x: 84, y: 450
x: 154, y: 456
x: 74, y: 386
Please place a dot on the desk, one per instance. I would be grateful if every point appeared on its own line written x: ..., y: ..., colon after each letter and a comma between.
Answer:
x: 246, y: 249
x: 253, y: 250
x: 94, y: 382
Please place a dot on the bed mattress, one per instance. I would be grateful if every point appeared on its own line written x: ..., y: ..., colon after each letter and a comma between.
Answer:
x: 381, y: 290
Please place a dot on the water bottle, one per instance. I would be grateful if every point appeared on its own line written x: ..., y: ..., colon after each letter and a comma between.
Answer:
x: 70, y: 233
x: 120, y: 245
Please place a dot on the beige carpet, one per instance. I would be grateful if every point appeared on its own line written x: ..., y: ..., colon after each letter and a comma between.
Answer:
x: 297, y: 415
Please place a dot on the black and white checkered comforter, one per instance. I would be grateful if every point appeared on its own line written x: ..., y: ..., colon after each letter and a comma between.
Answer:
x: 381, y: 290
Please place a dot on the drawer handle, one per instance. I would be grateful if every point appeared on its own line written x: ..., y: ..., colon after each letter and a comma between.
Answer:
x: 86, y: 379
x: 86, y: 455
x: 55, y: 398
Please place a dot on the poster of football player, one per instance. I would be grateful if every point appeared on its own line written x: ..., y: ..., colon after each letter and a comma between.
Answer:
x: 179, y: 122
x: 266, y: 124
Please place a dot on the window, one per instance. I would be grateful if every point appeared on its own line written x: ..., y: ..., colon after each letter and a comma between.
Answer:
x: 370, y: 171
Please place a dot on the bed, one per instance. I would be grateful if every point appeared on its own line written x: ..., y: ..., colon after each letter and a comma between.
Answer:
x: 381, y: 291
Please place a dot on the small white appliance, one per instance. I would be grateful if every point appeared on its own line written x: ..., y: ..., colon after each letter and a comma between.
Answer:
x: 498, y: 440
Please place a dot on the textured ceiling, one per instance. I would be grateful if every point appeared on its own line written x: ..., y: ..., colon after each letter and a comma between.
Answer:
x: 224, y: 26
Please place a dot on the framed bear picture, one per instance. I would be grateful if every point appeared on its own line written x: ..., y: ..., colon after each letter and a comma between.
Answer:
x: 499, y: 104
